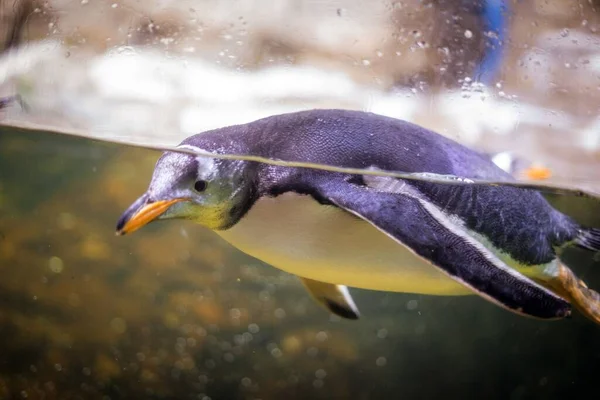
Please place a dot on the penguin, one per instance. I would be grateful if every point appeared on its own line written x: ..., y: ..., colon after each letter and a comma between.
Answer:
x: 337, y: 230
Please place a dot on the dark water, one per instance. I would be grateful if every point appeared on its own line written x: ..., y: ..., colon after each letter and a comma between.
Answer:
x: 172, y: 312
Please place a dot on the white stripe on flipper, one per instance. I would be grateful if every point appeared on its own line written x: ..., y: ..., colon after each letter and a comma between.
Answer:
x: 348, y: 298
x: 454, y: 225
x: 329, y: 294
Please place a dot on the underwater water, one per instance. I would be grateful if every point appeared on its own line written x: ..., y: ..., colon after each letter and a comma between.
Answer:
x: 173, y: 312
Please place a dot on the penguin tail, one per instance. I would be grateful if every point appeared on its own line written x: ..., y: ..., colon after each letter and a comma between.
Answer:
x: 589, y: 239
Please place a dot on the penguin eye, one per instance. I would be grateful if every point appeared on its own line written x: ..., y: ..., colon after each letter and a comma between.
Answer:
x: 200, y: 186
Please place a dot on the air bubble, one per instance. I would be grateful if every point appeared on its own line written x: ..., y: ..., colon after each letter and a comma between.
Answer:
x: 412, y: 305
x: 56, y: 265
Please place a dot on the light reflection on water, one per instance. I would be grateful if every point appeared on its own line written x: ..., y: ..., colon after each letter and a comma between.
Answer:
x: 174, y: 312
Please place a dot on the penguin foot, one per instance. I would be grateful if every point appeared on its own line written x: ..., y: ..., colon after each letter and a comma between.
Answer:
x: 567, y: 285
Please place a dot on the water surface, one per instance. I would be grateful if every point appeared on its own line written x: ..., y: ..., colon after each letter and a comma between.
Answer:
x: 174, y: 312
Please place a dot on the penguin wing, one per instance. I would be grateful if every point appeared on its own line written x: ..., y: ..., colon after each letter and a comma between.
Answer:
x: 397, y: 209
x: 335, y: 298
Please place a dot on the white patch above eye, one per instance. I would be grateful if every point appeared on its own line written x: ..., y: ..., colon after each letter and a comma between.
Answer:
x: 207, y: 167
x: 504, y: 160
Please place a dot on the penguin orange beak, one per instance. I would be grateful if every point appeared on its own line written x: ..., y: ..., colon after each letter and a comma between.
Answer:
x: 537, y: 172
x: 143, y: 212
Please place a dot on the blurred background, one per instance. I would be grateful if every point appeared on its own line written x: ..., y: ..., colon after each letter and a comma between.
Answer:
x: 174, y: 313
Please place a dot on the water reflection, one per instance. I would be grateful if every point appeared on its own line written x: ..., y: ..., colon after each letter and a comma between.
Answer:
x: 174, y: 312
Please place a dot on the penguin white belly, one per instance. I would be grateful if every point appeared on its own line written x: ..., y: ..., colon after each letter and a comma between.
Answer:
x: 296, y: 234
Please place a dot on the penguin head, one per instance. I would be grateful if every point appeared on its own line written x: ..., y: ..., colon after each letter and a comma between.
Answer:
x: 211, y: 192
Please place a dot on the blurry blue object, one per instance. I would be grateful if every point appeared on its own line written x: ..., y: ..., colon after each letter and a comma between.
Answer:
x: 495, y: 20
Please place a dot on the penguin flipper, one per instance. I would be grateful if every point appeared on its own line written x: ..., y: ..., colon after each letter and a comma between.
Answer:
x: 397, y: 209
x: 335, y: 298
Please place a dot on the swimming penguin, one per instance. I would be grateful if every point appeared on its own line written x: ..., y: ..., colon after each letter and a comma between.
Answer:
x: 335, y: 230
